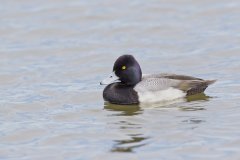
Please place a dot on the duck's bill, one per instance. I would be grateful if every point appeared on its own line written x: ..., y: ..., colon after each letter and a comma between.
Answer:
x: 112, y: 78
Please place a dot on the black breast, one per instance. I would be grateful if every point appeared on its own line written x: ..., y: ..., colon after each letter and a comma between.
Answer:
x: 118, y: 93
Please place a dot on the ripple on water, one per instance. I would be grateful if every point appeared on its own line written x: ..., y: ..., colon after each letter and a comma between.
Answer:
x: 55, y: 53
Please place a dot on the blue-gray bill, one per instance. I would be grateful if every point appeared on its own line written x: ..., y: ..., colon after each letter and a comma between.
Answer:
x: 112, y: 78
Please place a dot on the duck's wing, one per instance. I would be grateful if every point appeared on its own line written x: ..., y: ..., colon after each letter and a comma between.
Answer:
x: 155, y: 84
x: 171, y: 76
x: 162, y: 82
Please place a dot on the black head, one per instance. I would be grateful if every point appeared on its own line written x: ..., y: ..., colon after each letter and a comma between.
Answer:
x: 128, y: 70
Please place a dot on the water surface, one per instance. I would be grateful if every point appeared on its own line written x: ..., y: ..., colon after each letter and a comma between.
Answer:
x: 53, y: 55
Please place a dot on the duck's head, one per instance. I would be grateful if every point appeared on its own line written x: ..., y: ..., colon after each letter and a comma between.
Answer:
x: 126, y: 70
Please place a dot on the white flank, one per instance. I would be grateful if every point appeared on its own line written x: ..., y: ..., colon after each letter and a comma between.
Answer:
x: 160, y: 96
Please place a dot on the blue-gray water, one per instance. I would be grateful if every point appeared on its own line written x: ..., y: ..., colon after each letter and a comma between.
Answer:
x: 53, y: 54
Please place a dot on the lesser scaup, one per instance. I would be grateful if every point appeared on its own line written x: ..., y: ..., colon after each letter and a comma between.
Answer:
x: 127, y: 85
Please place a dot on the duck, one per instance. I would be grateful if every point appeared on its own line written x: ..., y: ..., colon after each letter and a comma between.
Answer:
x: 126, y: 85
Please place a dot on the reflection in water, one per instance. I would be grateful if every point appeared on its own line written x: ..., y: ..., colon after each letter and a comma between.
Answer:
x: 198, y: 97
x: 128, y: 145
x: 135, y: 140
x: 138, y: 139
x: 191, y: 108
x: 193, y: 121
x: 123, y: 110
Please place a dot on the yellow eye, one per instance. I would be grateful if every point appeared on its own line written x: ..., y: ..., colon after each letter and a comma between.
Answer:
x: 124, y: 67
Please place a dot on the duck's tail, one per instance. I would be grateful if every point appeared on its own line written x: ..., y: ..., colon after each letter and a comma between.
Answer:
x: 209, y: 82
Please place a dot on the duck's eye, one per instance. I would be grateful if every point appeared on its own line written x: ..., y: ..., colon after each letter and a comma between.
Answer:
x: 124, y: 67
